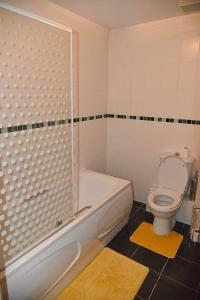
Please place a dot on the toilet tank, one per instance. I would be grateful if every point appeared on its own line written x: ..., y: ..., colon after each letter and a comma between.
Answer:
x: 189, y: 161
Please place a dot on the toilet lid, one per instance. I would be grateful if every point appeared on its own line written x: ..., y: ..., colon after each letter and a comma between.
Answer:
x: 173, y: 174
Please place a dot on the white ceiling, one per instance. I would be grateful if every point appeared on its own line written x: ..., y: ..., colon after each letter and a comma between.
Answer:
x: 120, y: 13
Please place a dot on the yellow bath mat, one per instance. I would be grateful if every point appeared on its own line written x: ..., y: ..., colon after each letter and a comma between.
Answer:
x: 164, y: 245
x: 109, y: 276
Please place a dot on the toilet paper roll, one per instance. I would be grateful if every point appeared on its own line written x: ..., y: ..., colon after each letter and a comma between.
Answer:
x: 186, y: 152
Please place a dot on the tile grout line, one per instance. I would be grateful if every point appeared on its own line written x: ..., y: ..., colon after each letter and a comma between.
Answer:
x: 197, y: 292
x: 185, y: 258
x: 137, y: 247
x: 138, y: 208
x: 188, y: 260
x: 140, y: 298
x: 180, y: 283
x: 158, y: 279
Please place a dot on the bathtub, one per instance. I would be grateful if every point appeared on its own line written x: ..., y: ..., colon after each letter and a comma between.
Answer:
x: 42, y: 273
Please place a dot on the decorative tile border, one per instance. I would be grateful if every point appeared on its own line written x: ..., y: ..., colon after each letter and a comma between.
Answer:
x: 90, y: 118
x: 23, y: 127
x: 154, y: 119
x: 15, y: 128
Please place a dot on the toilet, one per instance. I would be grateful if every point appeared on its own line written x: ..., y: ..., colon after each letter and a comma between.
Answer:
x: 165, y: 199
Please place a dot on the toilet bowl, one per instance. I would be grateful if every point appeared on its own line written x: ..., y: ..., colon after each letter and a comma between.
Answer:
x: 164, y: 204
x: 165, y: 199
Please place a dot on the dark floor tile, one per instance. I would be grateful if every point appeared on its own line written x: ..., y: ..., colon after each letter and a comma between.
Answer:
x: 140, y: 204
x: 138, y: 298
x: 148, y: 284
x: 125, y: 230
x: 186, y: 230
x: 198, y: 293
x: 179, y: 227
x: 183, y: 271
x: 134, y: 211
x: 189, y: 250
x: 140, y: 216
x: 167, y: 289
x: 122, y: 244
x: 150, y: 259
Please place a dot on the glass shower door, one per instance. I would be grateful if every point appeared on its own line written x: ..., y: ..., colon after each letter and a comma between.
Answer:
x: 36, y: 131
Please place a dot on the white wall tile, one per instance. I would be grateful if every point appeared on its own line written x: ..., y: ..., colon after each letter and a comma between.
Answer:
x: 188, y: 77
x: 189, y: 46
x: 163, y: 74
x: 92, y: 145
x: 139, y: 144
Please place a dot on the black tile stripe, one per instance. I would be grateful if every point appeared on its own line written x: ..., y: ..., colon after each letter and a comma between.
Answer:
x: 154, y: 119
x: 96, y: 117
x: 99, y: 116
x: 15, y: 128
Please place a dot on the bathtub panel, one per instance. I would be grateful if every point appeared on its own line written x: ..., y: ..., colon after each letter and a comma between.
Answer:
x: 115, y: 214
x: 30, y: 283
x: 91, y: 244
x: 59, y: 253
x: 83, y: 230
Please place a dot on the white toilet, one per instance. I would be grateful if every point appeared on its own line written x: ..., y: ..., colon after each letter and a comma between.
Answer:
x: 165, y: 199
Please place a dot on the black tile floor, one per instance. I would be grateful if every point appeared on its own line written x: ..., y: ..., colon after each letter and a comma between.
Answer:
x: 168, y: 279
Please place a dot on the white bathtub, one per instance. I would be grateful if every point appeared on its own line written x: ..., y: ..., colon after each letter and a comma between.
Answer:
x: 48, y: 268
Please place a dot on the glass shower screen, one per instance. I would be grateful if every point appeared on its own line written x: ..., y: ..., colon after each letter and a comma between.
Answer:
x: 36, y: 131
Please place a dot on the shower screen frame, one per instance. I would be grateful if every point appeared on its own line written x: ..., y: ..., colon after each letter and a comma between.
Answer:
x: 71, y: 123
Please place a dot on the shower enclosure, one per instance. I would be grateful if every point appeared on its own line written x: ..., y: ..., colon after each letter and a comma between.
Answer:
x: 37, y: 166
x: 46, y: 236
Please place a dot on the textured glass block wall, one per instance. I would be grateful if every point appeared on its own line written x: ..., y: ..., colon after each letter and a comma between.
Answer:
x: 36, y: 175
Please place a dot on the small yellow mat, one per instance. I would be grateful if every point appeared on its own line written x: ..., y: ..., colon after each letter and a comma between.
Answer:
x: 110, y: 276
x: 164, y: 245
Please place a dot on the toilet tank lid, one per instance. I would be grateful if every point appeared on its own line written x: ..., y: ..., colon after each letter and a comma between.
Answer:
x: 187, y: 160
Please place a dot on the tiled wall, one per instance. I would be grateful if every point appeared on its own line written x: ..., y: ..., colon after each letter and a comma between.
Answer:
x: 154, y: 72
x: 154, y: 69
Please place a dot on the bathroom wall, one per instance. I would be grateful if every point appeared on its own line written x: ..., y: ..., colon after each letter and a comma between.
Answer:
x: 93, y: 42
x: 154, y: 71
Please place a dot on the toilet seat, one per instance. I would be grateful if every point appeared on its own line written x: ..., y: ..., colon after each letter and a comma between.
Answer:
x: 172, y: 202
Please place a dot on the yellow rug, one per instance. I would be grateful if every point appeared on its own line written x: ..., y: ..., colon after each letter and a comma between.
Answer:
x: 110, y: 276
x: 164, y: 245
